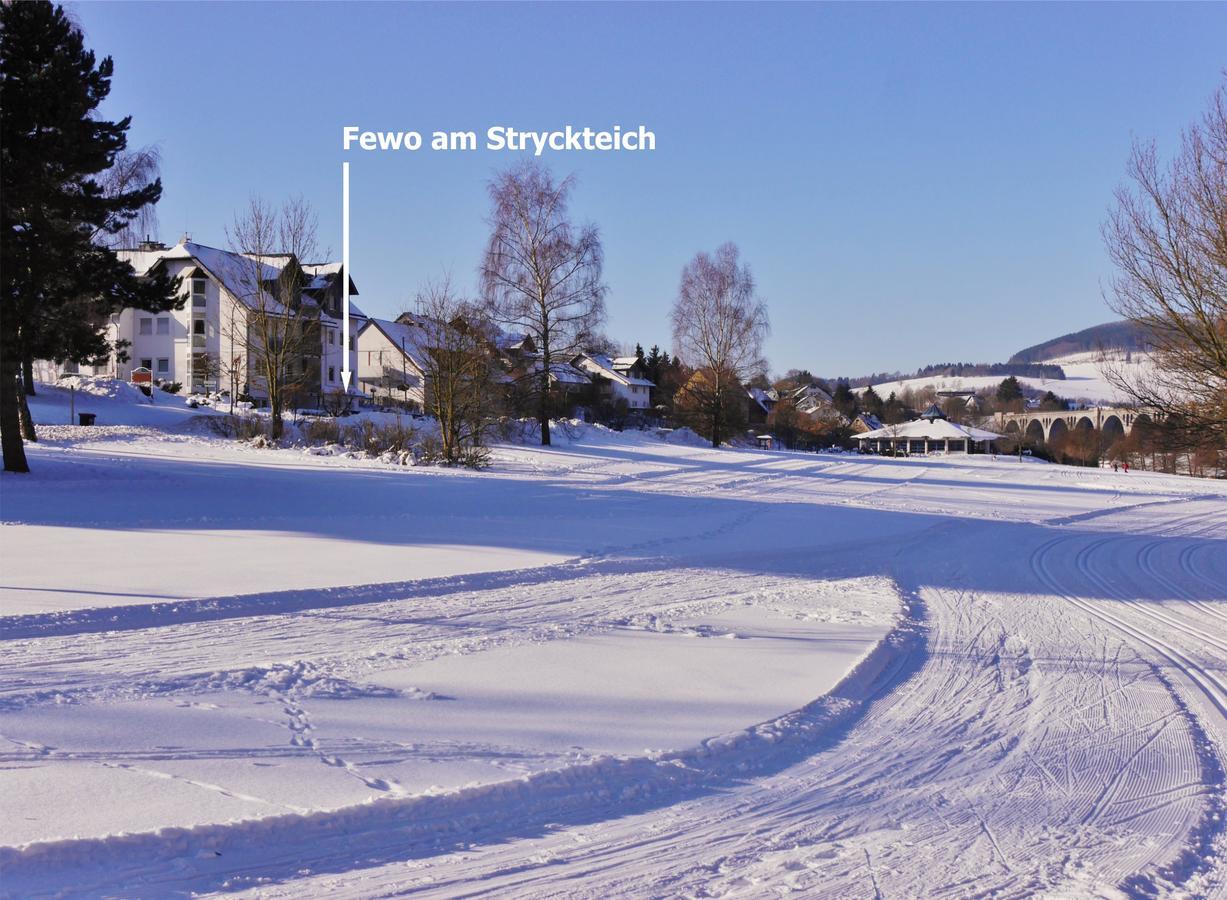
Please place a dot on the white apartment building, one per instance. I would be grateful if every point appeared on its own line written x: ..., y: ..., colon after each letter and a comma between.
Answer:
x: 206, y: 345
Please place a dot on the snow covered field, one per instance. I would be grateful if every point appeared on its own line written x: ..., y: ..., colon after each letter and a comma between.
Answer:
x: 1084, y: 382
x: 614, y: 667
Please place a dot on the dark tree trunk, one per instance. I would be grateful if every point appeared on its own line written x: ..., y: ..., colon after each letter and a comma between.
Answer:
x: 543, y: 407
x: 10, y: 425
x: 27, y: 420
x: 27, y: 376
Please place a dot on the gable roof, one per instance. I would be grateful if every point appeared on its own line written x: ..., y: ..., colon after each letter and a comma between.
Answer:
x: 236, y: 272
x: 408, y: 338
x: 604, y: 366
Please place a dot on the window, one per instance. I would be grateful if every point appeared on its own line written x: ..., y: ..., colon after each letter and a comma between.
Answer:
x: 198, y: 327
x: 163, y: 326
x: 163, y: 366
x: 198, y: 285
x: 332, y: 373
x: 332, y: 338
x: 147, y: 364
x: 146, y: 326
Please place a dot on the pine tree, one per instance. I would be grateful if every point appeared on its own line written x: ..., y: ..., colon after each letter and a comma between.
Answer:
x: 844, y: 400
x: 1009, y: 391
x: 59, y: 283
x: 871, y: 402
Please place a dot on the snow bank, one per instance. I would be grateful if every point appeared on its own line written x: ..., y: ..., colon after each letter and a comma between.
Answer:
x: 608, y: 781
x: 685, y: 437
x: 107, y: 388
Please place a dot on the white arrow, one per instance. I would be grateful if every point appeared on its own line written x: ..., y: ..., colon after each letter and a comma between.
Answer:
x: 345, y: 373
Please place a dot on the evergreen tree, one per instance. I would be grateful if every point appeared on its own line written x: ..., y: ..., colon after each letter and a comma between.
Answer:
x: 844, y: 400
x: 871, y: 402
x: 639, y: 352
x: 1050, y: 402
x: 1009, y: 391
x: 59, y: 284
x: 894, y: 410
x: 651, y: 364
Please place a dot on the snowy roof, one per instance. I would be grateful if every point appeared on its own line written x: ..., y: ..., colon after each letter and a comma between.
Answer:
x: 409, y: 338
x: 236, y: 272
x: 566, y: 373
x: 811, y: 392
x: 325, y: 274
x: 510, y: 340
x: 936, y: 430
x: 603, y: 365
x: 765, y: 399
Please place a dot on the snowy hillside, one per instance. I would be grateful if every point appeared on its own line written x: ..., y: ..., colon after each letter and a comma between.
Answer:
x: 1084, y: 380
x: 620, y: 666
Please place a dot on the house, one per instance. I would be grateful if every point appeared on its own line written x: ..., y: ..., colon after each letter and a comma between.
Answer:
x: 865, y: 422
x: 571, y: 384
x: 391, y: 365
x: 615, y: 379
x: 207, y: 345
x: 761, y: 403
x: 812, y: 400
x: 633, y: 366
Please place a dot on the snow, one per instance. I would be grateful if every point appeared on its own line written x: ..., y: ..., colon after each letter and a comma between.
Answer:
x: 624, y: 665
x: 934, y: 430
x: 1084, y: 381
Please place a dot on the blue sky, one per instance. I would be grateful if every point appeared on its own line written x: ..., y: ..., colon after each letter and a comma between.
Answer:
x: 910, y: 183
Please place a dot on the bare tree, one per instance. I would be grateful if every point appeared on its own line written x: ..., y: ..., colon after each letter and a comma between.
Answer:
x: 719, y: 325
x: 457, y: 365
x: 541, y: 273
x: 277, y: 329
x: 132, y: 170
x: 1167, y: 236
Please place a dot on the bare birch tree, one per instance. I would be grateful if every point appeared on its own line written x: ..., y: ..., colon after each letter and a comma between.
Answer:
x: 719, y: 325
x: 278, y: 330
x: 132, y: 170
x: 457, y: 367
x: 1167, y: 236
x: 541, y: 273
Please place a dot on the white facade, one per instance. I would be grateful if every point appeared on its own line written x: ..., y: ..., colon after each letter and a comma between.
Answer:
x: 389, y: 361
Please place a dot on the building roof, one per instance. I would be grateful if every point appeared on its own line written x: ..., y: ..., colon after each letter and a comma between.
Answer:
x: 409, y: 338
x: 236, y: 272
x: 605, y: 367
x: 510, y: 340
x: 765, y: 399
x: 935, y: 430
x: 566, y: 373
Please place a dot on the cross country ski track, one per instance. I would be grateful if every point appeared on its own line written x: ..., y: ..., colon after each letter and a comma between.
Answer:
x: 1047, y: 717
